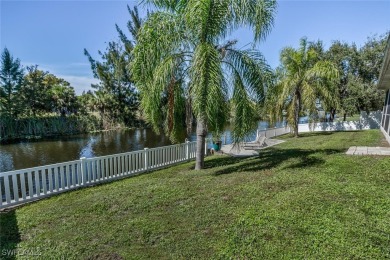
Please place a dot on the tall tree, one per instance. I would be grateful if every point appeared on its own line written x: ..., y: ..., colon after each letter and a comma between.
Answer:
x: 43, y: 92
x: 359, y: 72
x: 85, y: 102
x: 116, y: 86
x: 11, y: 77
x: 370, y: 63
x: 63, y: 99
x: 35, y: 93
x: 345, y: 57
x: 303, y: 78
x: 182, y: 56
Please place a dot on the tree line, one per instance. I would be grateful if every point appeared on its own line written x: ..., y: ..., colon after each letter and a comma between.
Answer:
x: 34, y: 103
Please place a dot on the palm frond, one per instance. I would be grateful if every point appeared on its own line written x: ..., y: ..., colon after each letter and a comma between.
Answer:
x: 258, y: 14
x: 207, y: 19
x: 207, y: 92
x: 256, y: 74
x: 244, y: 113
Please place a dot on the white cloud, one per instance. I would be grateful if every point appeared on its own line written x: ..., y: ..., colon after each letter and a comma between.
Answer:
x: 80, y: 83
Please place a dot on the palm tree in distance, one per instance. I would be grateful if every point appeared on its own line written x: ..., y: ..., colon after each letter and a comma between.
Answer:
x: 184, y: 65
x: 302, y: 79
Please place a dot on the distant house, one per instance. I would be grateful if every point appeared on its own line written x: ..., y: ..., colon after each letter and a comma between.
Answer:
x: 384, y: 83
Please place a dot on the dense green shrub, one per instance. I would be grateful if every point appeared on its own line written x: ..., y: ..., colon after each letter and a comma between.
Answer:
x: 36, y: 127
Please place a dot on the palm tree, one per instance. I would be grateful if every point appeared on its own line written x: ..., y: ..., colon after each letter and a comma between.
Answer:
x: 184, y: 65
x: 303, y: 78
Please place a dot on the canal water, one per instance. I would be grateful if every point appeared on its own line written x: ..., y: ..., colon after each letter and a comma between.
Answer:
x: 40, y: 152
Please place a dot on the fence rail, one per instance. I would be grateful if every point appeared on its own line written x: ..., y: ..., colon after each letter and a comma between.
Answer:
x: 268, y: 132
x: 272, y: 132
x: 20, y: 186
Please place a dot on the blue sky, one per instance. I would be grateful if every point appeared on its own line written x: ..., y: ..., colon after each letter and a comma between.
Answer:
x: 53, y: 34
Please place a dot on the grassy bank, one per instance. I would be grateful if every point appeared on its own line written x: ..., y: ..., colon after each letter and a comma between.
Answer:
x: 302, y: 199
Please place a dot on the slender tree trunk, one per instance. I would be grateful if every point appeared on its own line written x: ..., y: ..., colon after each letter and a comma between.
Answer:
x: 296, y: 123
x: 345, y: 117
x: 9, y: 108
x: 332, y: 114
x: 171, y: 103
x: 200, y: 143
x: 189, y: 117
x: 297, y: 109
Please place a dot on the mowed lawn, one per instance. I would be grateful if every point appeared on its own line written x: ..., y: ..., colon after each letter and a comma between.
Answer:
x: 304, y: 198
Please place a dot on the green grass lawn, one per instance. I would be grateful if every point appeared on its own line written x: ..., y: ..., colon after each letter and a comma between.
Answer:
x: 302, y: 199
x: 349, y: 118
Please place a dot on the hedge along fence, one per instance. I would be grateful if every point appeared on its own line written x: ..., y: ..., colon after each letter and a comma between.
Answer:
x: 34, y: 127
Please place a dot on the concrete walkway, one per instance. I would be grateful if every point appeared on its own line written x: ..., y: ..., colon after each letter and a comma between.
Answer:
x: 241, y: 152
x: 364, y: 150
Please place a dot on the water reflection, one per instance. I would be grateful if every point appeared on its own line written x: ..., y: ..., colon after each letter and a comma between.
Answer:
x: 42, y: 152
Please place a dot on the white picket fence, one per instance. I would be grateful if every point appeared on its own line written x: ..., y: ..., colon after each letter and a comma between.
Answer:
x: 20, y: 186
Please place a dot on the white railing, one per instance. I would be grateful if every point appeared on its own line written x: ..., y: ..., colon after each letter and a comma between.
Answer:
x: 20, y: 186
x: 268, y: 132
x: 272, y: 132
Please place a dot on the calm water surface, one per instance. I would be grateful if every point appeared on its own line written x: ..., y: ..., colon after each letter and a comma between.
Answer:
x: 61, y: 149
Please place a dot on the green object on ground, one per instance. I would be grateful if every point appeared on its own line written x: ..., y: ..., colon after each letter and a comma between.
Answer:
x: 217, y: 146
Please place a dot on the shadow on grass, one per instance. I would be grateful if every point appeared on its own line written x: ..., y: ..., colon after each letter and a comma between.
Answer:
x: 222, y: 161
x: 273, y: 158
x: 311, y: 134
x: 305, y: 134
x: 9, y: 235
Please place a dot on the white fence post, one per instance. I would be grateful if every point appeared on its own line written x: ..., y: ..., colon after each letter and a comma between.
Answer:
x: 187, y: 143
x: 275, y: 131
x: 83, y: 170
x: 205, y: 146
x: 146, y: 158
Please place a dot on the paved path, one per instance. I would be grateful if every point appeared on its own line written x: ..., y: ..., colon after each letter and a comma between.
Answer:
x: 364, y: 150
x: 241, y: 152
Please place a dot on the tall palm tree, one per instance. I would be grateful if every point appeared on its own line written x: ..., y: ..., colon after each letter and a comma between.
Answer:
x: 183, y: 62
x: 303, y: 78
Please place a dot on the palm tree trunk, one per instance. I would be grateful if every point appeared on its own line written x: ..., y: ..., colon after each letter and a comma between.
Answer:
x: 332, y: 114
x: 200, y: 143
x: 297, y: 109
